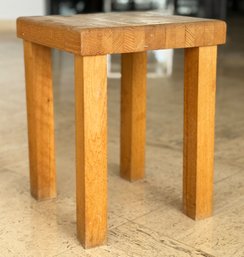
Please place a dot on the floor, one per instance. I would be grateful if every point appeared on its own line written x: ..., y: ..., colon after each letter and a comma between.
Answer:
x: 145, y: 218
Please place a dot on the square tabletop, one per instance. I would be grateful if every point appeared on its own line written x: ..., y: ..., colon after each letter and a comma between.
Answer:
x: 121, y: 32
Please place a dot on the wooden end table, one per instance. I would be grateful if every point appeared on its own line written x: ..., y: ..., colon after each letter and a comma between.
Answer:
x: 90, y: 38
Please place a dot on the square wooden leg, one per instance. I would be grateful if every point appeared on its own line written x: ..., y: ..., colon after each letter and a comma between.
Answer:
x: 133, y: 115
x: 91, y: 149
x: 199, y: 113
x: 39, y: 95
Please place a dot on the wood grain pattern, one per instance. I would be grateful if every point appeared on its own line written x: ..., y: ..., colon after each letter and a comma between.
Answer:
x: 39, y: 95
x: 200, y: 87
x: 133, y: 115
x: 125, y: 32
x: 91, y: 149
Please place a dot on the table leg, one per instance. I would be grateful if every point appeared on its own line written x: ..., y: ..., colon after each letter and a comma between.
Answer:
x: 91, y: 149
x: 133, y: 115
x: 199, y: 113
x: 39, y: 95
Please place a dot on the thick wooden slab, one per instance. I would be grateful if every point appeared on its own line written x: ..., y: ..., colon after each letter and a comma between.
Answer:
x: 97, y: 34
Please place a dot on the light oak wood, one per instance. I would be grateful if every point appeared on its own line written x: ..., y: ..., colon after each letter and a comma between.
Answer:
x: 90, y: 37
x: 200, y: 87
x: 133, y: 115
x: 39, y: 95
x: 91, y: 149
x: 98, y: 34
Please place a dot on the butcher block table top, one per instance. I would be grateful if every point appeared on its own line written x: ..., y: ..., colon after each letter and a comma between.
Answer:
x: 108, y: 33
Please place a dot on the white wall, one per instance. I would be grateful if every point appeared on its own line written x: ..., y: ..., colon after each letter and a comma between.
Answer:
x: 11, y: 9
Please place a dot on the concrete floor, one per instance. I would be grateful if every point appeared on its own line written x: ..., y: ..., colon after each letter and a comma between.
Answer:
x: 145, y: 218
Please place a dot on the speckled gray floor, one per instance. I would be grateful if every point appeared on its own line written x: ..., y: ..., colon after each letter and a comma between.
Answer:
x: 145, y: 217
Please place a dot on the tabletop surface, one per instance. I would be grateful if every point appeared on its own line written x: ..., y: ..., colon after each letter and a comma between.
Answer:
x: 112, y: 20
x: 141, y: 28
